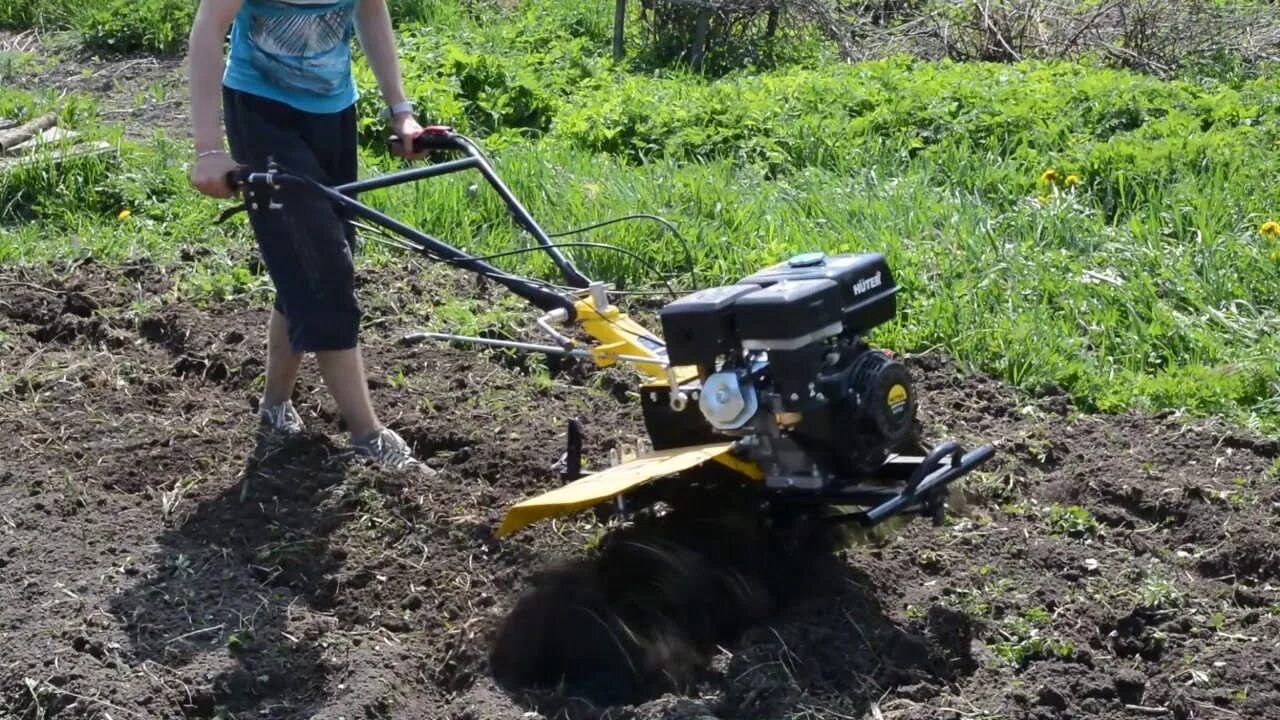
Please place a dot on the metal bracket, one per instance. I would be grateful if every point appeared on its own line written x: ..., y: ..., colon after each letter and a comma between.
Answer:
x: 678, y: 398
x: 570, y: 463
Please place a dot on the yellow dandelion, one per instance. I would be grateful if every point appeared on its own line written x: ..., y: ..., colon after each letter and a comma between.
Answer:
x: 1050, y: 176
x: 1072, y: 180
x: 1270, y: 229
x: 1044, y: 199
x: 124, y: 214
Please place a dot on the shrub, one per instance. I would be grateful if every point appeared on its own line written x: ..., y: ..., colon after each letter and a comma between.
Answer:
x: 504, y: 82
x: 127, y: 26
x: 1122, y: 133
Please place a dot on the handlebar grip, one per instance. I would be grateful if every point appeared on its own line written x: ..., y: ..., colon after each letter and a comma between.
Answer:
x: 419, y: 143
x: 431, y: 140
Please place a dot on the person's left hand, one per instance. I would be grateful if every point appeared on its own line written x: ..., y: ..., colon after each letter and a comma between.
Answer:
x: 406, y: 127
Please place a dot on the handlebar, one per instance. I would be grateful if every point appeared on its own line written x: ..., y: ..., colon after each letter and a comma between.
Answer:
x: 535, y: 293
x: 434, y: 138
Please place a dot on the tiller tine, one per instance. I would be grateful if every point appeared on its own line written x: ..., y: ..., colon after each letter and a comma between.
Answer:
x: 569, y: 466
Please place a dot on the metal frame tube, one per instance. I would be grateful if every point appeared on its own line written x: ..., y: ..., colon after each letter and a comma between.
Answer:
x: 516, y: 345
x: 476, y: 160
x: 398, y: 178
x: 571, y: 274
x: 535, y: 294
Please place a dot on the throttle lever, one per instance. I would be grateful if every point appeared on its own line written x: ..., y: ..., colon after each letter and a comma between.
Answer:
x: 227, y: 214
x: 235, y: 180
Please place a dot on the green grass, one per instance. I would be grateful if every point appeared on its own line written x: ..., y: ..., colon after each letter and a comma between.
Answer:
x: 42, y: 14
x: 1072, y: 520
x: 1143, y: 282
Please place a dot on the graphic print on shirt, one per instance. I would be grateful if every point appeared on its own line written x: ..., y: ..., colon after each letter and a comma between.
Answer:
x: 296, y: 47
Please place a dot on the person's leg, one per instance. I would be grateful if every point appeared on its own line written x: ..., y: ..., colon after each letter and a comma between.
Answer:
x: 344, y: 376
x: 248, y: 130
x: 309, y: 250
x: 282, y: 362
x: 342, y: 371
x: 275, y: 408
x: 332, y: 140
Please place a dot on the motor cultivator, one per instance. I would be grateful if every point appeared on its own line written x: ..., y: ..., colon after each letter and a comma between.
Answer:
x: 769, y: 380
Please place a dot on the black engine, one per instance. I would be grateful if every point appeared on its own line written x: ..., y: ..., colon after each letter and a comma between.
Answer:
x: 784, y: 368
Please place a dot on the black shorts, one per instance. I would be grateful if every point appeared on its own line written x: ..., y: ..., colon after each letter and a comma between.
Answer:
x: 307, y: 245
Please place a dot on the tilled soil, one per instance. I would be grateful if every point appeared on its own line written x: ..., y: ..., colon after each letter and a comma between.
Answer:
x: 157, y: 562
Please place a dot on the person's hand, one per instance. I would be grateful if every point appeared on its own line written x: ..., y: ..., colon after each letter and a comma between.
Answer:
x: 406, y: 127
x: 209, y: 176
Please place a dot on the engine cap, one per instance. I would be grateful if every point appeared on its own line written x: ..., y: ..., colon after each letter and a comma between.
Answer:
x: 809, y: 259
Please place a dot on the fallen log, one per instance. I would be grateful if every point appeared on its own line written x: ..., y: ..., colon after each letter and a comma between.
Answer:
x: 23, y: 133
x: 56, y: 157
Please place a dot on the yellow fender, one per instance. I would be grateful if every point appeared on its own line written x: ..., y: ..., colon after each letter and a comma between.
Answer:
x: 607, y: 484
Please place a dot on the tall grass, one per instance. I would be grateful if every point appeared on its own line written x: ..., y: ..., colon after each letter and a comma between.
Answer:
x: 1064, y: 227
x: 1043, y: 293
x: 1141, y: 319
x: 44, y: 14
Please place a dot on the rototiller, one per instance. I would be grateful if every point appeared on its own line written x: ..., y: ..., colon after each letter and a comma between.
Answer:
x: 768, y: 381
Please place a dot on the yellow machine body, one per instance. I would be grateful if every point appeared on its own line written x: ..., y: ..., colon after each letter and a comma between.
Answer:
x: 619, y: 335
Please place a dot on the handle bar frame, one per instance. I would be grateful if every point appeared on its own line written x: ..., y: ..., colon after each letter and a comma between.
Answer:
x: 436, y: 139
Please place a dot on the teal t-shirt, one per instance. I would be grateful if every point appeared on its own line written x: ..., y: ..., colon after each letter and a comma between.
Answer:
x: 297, y: 52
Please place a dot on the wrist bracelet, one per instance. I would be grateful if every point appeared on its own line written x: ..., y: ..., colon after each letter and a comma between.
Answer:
x: 211, y: 152
x: 400, y: 107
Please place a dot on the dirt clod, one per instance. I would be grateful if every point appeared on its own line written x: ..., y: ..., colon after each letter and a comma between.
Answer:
x: 1130, y: 685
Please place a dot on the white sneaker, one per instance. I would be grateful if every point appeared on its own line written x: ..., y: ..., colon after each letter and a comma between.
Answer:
x: 282, y: 418
x: 387, y: 448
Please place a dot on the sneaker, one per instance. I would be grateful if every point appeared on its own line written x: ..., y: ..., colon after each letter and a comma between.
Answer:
x: 282, y: 418
x: 387, y: 448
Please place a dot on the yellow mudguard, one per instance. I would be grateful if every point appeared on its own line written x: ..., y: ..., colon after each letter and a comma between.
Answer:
x: 606, y: 484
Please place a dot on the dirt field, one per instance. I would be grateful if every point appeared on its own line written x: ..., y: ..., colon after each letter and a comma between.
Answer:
x: 138, y: 580
x: 154, y: 563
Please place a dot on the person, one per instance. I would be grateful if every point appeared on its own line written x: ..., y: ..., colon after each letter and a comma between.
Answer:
x: 287, y: 93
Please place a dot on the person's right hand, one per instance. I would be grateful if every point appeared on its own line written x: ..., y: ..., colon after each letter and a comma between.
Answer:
x: 209, y: 176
